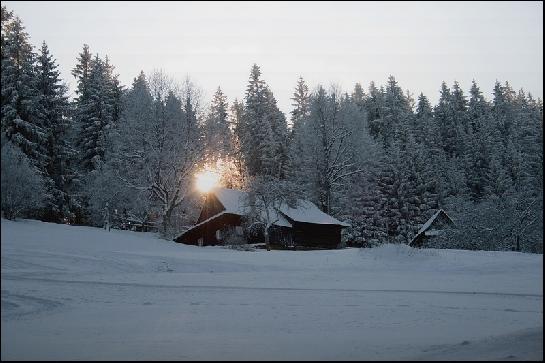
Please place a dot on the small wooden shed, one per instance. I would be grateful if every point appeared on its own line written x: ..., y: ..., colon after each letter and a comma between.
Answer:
x: 431, y: 228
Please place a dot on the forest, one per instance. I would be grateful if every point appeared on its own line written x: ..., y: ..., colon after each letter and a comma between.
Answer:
x: 375, y: 156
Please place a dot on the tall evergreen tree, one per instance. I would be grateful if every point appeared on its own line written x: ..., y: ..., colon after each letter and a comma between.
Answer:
x: 300, y: 103
x: 397, y: 112
x: 263, y: 130
x: 479, y: 148
x: 191, y: 108
x: 359, y: 97
x: 113, y: 89
x: 423, y: 119
x: 478, y: 111
x: 502, y: 110
x: 460, y: 119
x: 218, y: 136
x: 375, y: 109
x: 236, y: 114
x: 82, y: 72
x: 53, y: 115
x: 299, y: 114
x: 94, y: 112
x: 444, y: 116
x: 19, y: 93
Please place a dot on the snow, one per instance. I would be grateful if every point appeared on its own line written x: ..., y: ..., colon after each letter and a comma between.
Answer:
x: 84, y: 293
x: 432, y: 232
x: 306, y: 211
x: 233, y: 200
x: 278, y: 218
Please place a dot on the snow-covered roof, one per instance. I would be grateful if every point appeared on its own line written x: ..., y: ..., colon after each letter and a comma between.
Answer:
x: 232, y: 200
x: 308, y: 212
x: 305, y: 212
x: 429, y: 222
x: 279, y: 219
x: 206, y: 220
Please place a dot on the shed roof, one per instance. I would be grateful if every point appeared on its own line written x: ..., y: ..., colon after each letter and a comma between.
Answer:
x: 308, y: 212
x: 428, y: 224
x: 432, y: 219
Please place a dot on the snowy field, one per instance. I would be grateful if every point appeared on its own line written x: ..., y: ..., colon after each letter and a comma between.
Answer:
x: 84, y: 293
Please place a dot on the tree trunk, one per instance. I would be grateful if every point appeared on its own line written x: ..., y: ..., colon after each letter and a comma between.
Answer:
x: 166, y: 221
x: 267, y: 242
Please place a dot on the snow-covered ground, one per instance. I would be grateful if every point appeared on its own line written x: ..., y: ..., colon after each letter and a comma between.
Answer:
x: 84, y: 293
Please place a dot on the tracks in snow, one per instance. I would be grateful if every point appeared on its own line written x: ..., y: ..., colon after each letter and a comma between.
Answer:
x: 5, y: 276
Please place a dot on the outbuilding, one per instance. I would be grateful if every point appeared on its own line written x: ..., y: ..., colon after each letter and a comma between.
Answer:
x: 431, y: 228
x: 221, y: 217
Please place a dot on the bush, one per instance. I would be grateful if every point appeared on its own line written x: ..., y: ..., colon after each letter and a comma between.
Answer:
x: 23, y: 187
x: 233, y: 239
x: 493, y: 224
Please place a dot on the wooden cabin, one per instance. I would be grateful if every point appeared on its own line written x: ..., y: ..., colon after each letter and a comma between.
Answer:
x: 224, y: 209
x: 431, y: 228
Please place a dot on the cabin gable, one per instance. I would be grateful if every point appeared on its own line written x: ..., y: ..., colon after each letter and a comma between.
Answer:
x: 211, y: 207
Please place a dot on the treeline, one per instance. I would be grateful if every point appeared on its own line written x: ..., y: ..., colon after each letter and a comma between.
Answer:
x: 376, y: 158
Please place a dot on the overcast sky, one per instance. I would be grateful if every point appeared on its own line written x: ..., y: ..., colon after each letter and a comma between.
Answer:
x: 216, y: 43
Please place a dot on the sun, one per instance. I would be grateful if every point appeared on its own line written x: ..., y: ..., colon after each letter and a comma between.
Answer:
x: 206, y: 180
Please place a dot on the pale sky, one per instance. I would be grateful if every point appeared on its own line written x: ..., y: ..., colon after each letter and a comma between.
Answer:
x: 216, y: 43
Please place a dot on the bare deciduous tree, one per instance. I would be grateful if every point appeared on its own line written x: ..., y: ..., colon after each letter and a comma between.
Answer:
x: 22, y: 186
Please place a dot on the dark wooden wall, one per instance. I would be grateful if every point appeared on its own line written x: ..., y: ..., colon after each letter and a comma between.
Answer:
x: 208, y: 230
x: 316, y: 235
x: 306, y: 235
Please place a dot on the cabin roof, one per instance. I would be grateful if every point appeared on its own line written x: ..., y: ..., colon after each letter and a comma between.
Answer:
x: 308, y: 212
x: 232, y: 200
x: 305, y: 212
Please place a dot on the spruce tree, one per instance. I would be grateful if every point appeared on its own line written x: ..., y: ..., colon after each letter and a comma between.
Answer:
x: 19, y: 93
x: 95, y: 116
x: 460, y: 120
x: 359, y: 97
x: 422, y: 119
x: 218, y: 136
x: 82, y: 72
x: 396, y: 111
x: 53, y: 107
x: 300, y: 103
x: 444, y: 116
x: 299, y: 114
x: 263, y: 130
x: 375, y: 109
x: 479, y: 147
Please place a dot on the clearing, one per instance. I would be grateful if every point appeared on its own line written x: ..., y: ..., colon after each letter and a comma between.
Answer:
x: 82, y: 293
